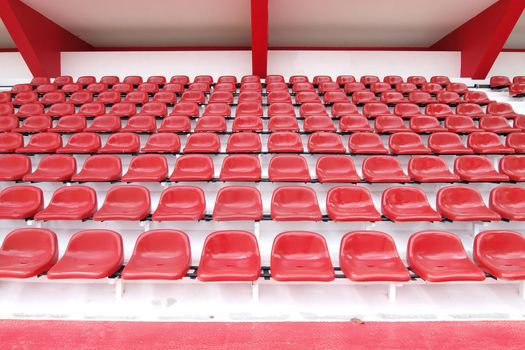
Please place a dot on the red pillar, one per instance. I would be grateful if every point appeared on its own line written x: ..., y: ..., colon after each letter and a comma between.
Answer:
x: 259, y: 15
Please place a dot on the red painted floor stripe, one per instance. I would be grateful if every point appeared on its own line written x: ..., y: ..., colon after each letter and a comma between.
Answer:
x: 268, y: 335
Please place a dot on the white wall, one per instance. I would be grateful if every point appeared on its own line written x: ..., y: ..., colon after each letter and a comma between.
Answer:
x: 13, y: 69
x: 509, y: 63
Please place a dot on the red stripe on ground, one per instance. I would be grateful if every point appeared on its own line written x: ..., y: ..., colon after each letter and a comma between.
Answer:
x: 268, y: 335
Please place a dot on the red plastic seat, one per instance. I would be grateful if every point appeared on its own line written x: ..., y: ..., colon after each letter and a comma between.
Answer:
x: 501, y: 109
x: 282, y: 123
x: 369, y: 79
x: 375, y: 109
x: 392, y: 97
x: 244, y: 142
x: 105, y: 123
x: 292, y: 203
x: 90, y: 254
x: 157, y: 79
x: 188, y: 109
x: 36, y: 123
x: 285, y: 141
x: 438, y: 110
x: 175, y: 124
x: 235, y: 203
x: 217, y: 109
x: 17, y: 88
x: 389, y: 124
x: 430, y: 169
x: 180, y: 79
x: 109, y: 97
x: 97, y: 88
x: 147, y: 167
x: 249, y: 108
x: 240, y: 167
x: 366, y: 143
x: 211, y: 123
x: 6, y: 109
x: 137, y: 97
x: 439, y: 256
x: 407, y: 143
x: 173, y: 87
x: 28, y: 252
x: 121, y: 142
x: 227, y: 79
x: 330, y: 97
x: 14, y: 167
x: 499, y: 81
x: 379, y: 87
x: 513, y: 166
x: 496, y: 124
x: 288, y: 168
x: 416, y: 80
x: 517, y: 90
x: 298, y: 79
x: 73, y: 88
x: 516, y: 141
x: 303, y: 87
x: 508, y: 201
x: 336, y: 168
x: 86, y: 80
x: 462, y: 203
x: 92, y: 109
x: 61, y: 109
x: 307, y: 97
x: 460, y: 124
x: 193, y: 167
x: 155, y: 109
x: 447, y: 143
x: 363, y: 97
x: 109, y: 80
x: 371, y: 256
x: 70, y: 123
x: 44, y: 142
x: 301, y: 256
x: 420, y: 97
x: 162, y: 143
x: 351, y: 203
x: 476, y: 97
x: 448, y: 97
x: 424, y: 123
x: 123, y: 109
x: 230, y: 256
x: 180, y: 203
x: 329, y: 86
x: 500, y: 253
x: 407, y: 204
x: 407, y: 110
x: 440, y: 79
x: 406, y: 88
x: 51, y: 98
x: 70, y: 203
x: 8, y: 123
x: 54, y: 167
x: 280, y: 109
x: 383, y: 169
x: 80, y: 97
x: 23, y: 98
x: 459, y: 88
x: 518, y: 79
x: 320, y: 79
x: 10, y: 141
x: 247, y: 123
x: 279, y: 97
x: 150, y: 88
x: 102, y: 167
x: 325, y: 142
x: 477, y: 168
x: 273, y: 78
x: 344, y: 79
x: 124, y: 88
x: 30, y: 109
x: 221, y: 97
x: 133, y: 80
x: 354, y: 123
x: 202, y: 143
x: 340, y: 109
x: 309, y: 109
x: 20, y: 202
x: 250, y: 96
x: 487, y: 142
x: 140, y: 123
x: 45, y: 88
x: 159, y: 255
x: 203, y: 87
x: 82, y: 142
x: 125, y: 203
x: 251, y: 86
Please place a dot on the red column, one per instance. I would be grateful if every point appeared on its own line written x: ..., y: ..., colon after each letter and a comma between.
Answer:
x: 259, y: 14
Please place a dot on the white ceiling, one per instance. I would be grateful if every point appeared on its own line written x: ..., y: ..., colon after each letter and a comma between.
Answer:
x: 370, y: 23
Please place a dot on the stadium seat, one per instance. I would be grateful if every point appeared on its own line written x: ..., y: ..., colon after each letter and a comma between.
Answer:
x: 325, y: 142
x: 279, y: 97
x: 234, y: 203
x: 211, y: 123
x: 63, y: 79
x: 240, y: 167
x: 425, y: 124
x: 230, y: 256
x: 53, y: 97
x: 432, y: 88
x: 109, y: 80
x: 109, y: 97
x: 249, y: 86
x: 80, y: 97
x: 11, y: 141
x: 92, y: 109
x: 369, y: 79
x: 162, y: 143
x: 343, y: 79
x: 70, y: 123
x: 17, y: 88
x: 508, y: 201
x: 366, y: 143
x: 301, y: 256
x: 125, y: 203
x: 202, y: 143
x: 104, y: 123
x: 217, y: 109
x: 430, y: 169
x: 499, y: 81
x: 20, y: 202
x: 277, y: 87
x: 73, y: 88
x: 303, y: 87
x: 379, y: 87
x: 28, y: 252
x: 86, y: 80
x: 285, y: 141
x: 149, y: 88
x: 363, y: 97
x: 298, y: 79
x: 180, y: 79
x: 247, y: 123
x: 125, y: 88
x: 496, y: 124
x: 477, y: 97
x: 407, y: 110
x: 438, y: 110
x: 90, y: 254
x: 146, y: 167
x: 44, y: 142
x: 159, y: 255
x: 62, y: 109
x: 440, y: 79
x: 101, y: 167
x: 175, y: 124
x: 320, y: 79
x: 282, y: 123
x: 517, y: 90
x: 193, y: 167
x: 336, y: 168
x: 274, y: 79
x: 288, y: 168
x: 407, y: 143
x: 70, y: 203
x: 328, y: 86
x: 121, y: 142
x: 487, y: 142
x: 462, y: 203
x: 351, y: 203
x: 459, y: 88
x: 500, y: 252
x: 383, y: 169
x: 14, y: 167
x: 351, y: 88
x: 513, y: 166
x: 30, y: 109
x: 54, y: 167
x: 34, y: 124
x: 23, y: 98
x: 155, y: 109
x: 392, y: 97
x: 439, y: 256
x: 140, y: 123
x: 180, y: 203
x: 407, y: 204
x: 293, y: 203
x: 447, y: 143
x: 244, y: 142
x: 341, y: 109
x: 45, y: 88
x: 331, y: 97
x: 133, y: 80
x: 516, y: 141
x: 8, y: 123
x: 375, y: 109
x: 307, y: 97
x: 406, y: 88
x: 518, y: 79
x: 354, y: 123
x: 279, y: 109
x: 82, y: 142
x: 136, y: 98
x: 501, y: 109
x: 227, y: 79
x: 448, y: 97
x: 221, y: 97
x: 389, y: 124
x: 371, y: 256
x: 420, y: 98
x: 250, y: 96
x: 460, y: 124
x: 310, y: 109
x: 477, y: 169
x: 188, y: 109
x: 248, y: 108
x: 173, y: 87
x: 416, y: 80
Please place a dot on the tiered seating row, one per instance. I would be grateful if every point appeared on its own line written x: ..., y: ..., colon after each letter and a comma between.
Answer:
x: 288, y: 203
x: 516, y: 87
x: 435, y: 256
